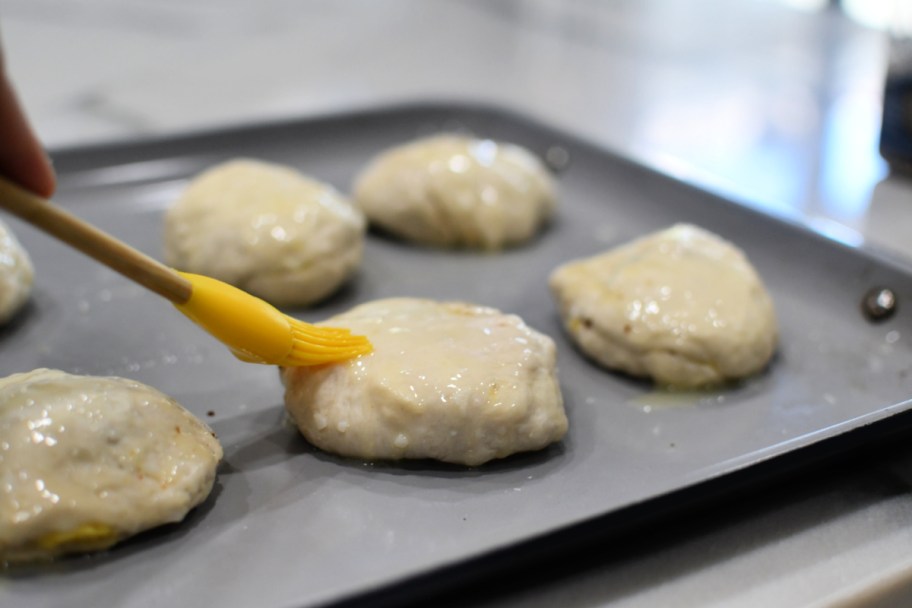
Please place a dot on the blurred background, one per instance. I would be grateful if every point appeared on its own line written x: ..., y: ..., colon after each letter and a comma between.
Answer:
x: 776, y: 103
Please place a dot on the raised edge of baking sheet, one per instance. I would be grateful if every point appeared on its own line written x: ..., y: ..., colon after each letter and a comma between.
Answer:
x: 290, y: 526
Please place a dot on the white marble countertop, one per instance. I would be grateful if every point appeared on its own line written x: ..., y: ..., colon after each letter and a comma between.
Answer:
x: 776, y: 108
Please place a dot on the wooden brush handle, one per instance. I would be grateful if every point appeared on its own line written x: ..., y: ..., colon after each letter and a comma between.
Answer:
x: 95, y: 243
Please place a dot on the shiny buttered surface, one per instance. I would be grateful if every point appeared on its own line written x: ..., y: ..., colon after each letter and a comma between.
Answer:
x: 16, y: 275
x: 87, y: 461
x: 266, y: 229
x: 681, y: 306
x: 457, y: 191
x: 446, y: 380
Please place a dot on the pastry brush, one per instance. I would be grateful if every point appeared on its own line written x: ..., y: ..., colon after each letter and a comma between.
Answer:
x: 254, y: 330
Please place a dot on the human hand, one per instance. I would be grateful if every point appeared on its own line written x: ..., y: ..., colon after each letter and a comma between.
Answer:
x: 22, y: 158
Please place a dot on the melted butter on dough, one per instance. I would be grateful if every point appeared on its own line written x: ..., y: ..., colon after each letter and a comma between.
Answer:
x: 266, y: 229
x: 87, y: 461
x: 446, y: 380
x: 681, y: 306
x: 16, y: 275
x: 457, y: 191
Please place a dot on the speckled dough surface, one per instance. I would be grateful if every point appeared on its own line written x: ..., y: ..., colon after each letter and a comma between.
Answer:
x: 86, y: 461
x: 682, y: 306
x: 446, y: 380
x: 267, y: 229
x: 457, y: 191
x: 16, y: 274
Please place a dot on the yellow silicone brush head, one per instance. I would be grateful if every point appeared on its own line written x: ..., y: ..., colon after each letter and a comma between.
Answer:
x: 257, y: 332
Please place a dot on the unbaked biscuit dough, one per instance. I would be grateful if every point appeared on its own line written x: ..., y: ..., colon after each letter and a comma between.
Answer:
x: 87, y: 461
x: 681, y: 306
x: 266, y: 229
x: 16, y: 275
x: 446, y: 380
x: 457, y: 191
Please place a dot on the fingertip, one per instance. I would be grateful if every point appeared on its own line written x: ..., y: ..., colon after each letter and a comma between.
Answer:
x: 43, y: 177
x: 22, y: 159
x: 33, y: 171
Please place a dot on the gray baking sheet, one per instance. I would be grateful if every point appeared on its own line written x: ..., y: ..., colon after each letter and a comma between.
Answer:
x: 290, y: 526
